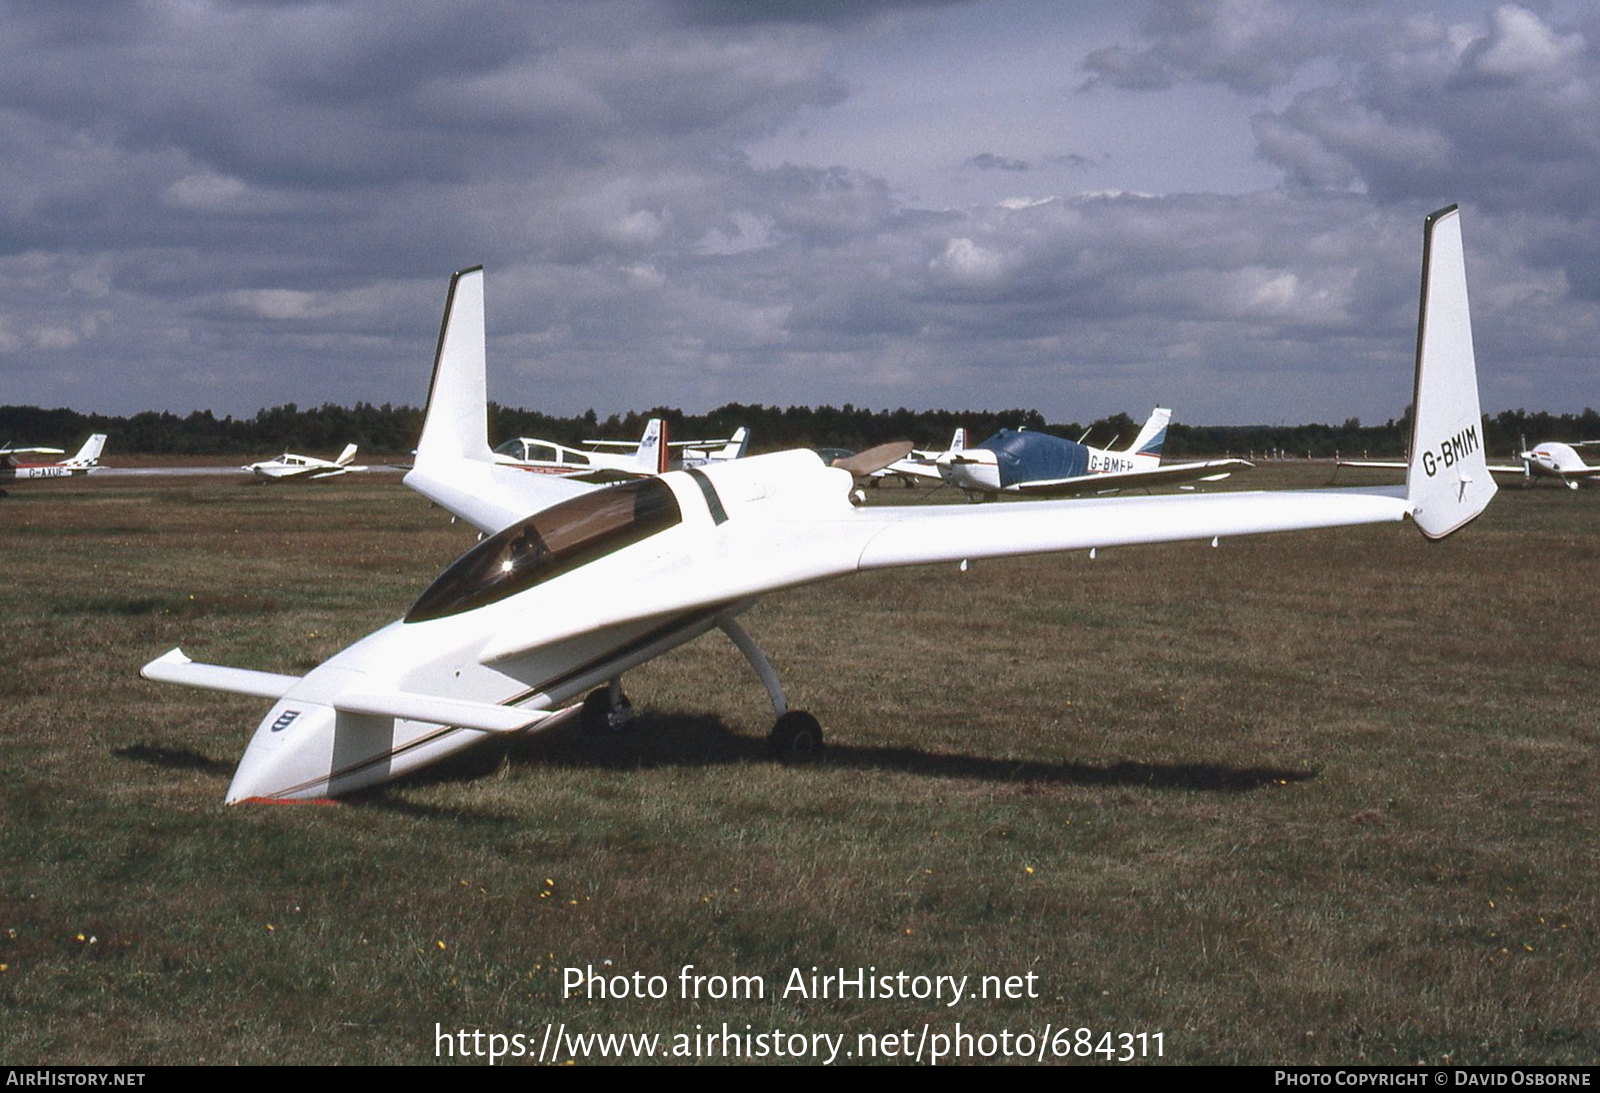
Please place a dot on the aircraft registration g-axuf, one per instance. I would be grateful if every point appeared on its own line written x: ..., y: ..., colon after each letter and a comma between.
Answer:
x: 573, y: 586
x: 86, y: 461
x: 290, y: 467
x: 1030, y: 464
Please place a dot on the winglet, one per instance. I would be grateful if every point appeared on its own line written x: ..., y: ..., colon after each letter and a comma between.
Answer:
x: 457, y: 422
x: 1448, y: 482
x: 454, y: 467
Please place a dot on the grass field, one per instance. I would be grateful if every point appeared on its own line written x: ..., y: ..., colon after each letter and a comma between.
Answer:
x: 1304, y: 798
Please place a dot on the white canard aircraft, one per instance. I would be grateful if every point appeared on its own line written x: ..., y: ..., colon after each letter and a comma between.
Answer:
x: 1548, y: 459
x: 649, y: 456
x: 86, y: 461
x: 599, y: 580
x: 1553, y: 459
x: 289, y: 467
x: 1026, y: 463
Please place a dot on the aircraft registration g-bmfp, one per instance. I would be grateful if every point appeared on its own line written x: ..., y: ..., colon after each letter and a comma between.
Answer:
x: 575, y: 585
x: 1016, y: 461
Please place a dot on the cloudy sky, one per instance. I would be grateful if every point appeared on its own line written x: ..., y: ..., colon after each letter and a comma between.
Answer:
x: 1082, y: 208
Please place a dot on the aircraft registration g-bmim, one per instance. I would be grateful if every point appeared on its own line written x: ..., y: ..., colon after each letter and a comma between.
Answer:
x: 289, y: 467
x: 1040, y: 465
x: 575, y: 585
x: 86, y: 461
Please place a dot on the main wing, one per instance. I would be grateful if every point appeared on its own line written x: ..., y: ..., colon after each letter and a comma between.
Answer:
x: 750, y: 548
x: 772, y: 522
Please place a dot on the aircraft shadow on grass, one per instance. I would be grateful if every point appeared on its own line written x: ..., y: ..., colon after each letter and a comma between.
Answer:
x: 703, y: 740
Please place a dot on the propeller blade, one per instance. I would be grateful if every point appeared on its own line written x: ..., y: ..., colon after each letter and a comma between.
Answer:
x: 874, y: 459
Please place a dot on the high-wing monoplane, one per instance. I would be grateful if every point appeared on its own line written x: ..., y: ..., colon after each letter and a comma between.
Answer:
x: 1032, y: 464
x: 290, y: 467
x: 15, y: 467
x: 701, y: 453
x: 574, y: 586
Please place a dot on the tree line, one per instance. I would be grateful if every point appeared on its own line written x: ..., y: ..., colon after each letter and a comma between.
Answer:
x: 389, y: 430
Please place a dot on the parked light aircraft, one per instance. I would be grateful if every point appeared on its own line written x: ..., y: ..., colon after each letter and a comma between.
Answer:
x: 1548, y: 459
x: 1554, y: 459
x: 702, y: 453
x: 86, y: 461
x: 649, y: 456
x: 920, y: 467
x: 573, y: 586
x: 288, y: 466
x: 1040, y: 465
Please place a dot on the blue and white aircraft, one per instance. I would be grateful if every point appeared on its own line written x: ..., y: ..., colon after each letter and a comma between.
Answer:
x: 1040, y: 465
x: 574, y: 585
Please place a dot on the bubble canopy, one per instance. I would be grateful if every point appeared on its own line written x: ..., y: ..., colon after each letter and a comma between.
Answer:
x: 547, y: 544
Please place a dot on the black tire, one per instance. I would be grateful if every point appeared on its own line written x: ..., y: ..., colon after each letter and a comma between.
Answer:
x: 600, y: 717
x: 796, y: 737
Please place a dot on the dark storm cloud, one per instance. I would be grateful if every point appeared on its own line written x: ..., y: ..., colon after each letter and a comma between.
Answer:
x: 232, y: 205
x: 988, y: 161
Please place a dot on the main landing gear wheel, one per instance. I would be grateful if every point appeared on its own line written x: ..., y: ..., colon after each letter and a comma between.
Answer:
x: 795, y: 738
x: 600, y: 715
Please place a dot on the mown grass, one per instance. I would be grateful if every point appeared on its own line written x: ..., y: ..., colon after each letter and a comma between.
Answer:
x: 1305, y: 798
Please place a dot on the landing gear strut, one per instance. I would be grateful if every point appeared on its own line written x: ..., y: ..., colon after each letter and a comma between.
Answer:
x: 606, y: 709
x: 795, y: 735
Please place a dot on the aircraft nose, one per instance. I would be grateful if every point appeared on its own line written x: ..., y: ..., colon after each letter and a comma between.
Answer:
x: 290, y: 757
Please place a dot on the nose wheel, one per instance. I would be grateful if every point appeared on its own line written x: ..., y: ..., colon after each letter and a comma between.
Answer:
x: 606, y: 710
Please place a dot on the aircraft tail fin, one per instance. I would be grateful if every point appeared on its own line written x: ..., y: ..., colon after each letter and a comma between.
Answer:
x: 1153, y: 435
x: 89, y: 454
x: 737, y: 444
x: 346, y: 456
x: 1448, y: 482
x: 651, y: 455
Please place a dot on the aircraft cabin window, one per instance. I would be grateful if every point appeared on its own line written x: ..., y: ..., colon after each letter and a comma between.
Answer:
x: 548, y: 544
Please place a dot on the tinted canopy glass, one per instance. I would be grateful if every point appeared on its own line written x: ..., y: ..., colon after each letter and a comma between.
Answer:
x: 549, y: 543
